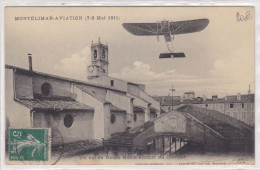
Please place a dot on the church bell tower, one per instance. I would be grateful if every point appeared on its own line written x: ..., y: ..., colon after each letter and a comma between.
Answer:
x: 99, y: 60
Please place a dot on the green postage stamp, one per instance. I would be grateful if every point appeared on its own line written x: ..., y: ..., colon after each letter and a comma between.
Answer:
x: 29, y: 144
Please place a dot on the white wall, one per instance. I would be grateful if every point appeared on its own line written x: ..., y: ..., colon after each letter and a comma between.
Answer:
x: 99, y: 115
x: 18, y: 114
x: 123, y: 102
x: 23, y: 85
x: 133, y: 89
x: 139, y: 102
x: 119, y: 125
x: 59, y: 88
x: 81, y: 129
x: 140, y: 119
x: 120, y: 101
x: 173, y: 122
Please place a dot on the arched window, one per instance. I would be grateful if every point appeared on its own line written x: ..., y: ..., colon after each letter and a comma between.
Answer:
x: 46, y: 89
x: 112, y: 118
x: 103, y: 53
x: 95, y: 54
x: 68, y: 120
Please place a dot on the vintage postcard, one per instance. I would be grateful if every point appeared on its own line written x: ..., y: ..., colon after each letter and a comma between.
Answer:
x: 129, y: 85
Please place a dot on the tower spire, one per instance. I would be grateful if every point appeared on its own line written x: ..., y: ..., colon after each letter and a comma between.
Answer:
x: 99, y: 60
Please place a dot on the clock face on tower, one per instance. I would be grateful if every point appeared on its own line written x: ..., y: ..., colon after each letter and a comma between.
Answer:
x: 90, y: 69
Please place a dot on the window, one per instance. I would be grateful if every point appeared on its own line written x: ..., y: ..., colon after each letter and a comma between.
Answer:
x: 46, y: 89
x: 112, y: 83
x: 112, y: 118
x: 231, y: 106
x: 242, y: 105
x: 68, y: 120
x: 104, y: 71
x: 135, y: 117
x: 95, y: 54
x: 243, y: 114
x: 103, y: 53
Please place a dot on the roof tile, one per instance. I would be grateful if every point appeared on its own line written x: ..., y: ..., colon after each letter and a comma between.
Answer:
x: 54, y: 104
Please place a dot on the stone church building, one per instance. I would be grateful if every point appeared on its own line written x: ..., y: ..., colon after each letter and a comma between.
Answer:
x: 77, y: 110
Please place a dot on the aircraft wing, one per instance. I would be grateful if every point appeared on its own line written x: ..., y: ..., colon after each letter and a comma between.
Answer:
x: 179, y: 27
x: 142, y: 29
x: 190, y: 26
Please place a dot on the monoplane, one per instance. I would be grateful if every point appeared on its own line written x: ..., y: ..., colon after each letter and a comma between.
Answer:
x: 167, y: 29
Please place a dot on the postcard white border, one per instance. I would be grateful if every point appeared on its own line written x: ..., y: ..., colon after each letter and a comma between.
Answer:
x: 66, y: 3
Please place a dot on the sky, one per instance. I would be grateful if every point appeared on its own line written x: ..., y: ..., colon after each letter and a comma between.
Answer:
x: 219, y: 60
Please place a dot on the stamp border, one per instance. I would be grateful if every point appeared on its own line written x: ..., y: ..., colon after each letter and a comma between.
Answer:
x: 28, y: 162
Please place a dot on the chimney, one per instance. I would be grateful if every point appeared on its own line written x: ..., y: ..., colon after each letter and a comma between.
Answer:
x: 249, y: 90
x: 30, y: 62
x: 98, y: 39
x: 238, y: 96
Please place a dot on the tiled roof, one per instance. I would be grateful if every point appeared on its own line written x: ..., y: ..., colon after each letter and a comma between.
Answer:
x: 90, y: 92
x: 125, y: 138
x: 189, y: 92
x: 54, y: 104
x: 81, y: 147
x: 139, y: 109
x: 247, y: 98
x: 78, y: 82
x: 237, y: 135
x: 214, y: 118
x: 167, y: 100
x: 134, y: 96
x: 116, y: 109
x: 219, y: 100
x: 169, y: 103
x: 244, y: 98
x: 153, y: 108
x: 230, y: 128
